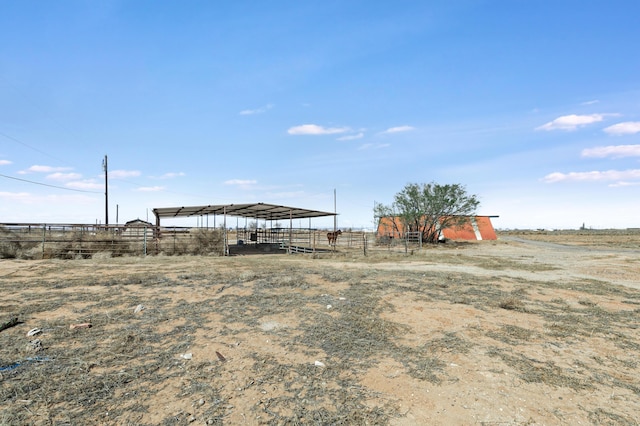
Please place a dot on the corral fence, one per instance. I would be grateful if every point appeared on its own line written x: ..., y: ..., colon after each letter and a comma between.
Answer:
x: 296, y: 240
x: 408, y: 242
x: 73, y: 241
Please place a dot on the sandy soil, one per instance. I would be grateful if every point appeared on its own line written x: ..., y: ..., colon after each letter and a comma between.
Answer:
x: 509, y: 332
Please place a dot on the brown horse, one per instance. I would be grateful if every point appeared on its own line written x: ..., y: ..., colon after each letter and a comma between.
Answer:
x: 333, y: 237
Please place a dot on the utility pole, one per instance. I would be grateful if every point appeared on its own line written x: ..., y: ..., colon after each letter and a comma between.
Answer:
x: 106, y: 190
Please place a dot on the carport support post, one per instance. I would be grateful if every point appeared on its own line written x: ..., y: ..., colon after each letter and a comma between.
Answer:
x: 224, y: 234
x: 335, y: 219
x: 156, y: 233
x: 290, y: 229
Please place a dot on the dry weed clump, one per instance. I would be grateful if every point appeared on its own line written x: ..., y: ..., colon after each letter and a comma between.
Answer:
x: 531, y: 370
x: 13, y: 245
x: 512, y: 303
x: 199, y: 241
x: 512, y: 334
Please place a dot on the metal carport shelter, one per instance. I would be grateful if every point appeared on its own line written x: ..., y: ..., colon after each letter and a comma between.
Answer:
x: 252, y: 211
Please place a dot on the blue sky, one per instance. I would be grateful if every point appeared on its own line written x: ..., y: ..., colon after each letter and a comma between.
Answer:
x: 534, y: 106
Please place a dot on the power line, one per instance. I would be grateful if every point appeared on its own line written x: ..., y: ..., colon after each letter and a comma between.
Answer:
x: 34, y: 105
x: 31, y: 147
x: 50, y: 186
x: 78, y: 190
x: 48, y: 155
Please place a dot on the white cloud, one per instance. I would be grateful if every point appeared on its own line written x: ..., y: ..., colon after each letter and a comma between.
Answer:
x: 169, y: 175
x: 150, y: 188
x: 351, y: 137
x: 595, y: 101
x: 623, y: 184
x: 172, y: 175
x: 398, y: 129
x: 85, y: 184
x: 15, y: 196
x: 626, y: 128
x: 614, y: 151
x: 365, y: 146
x: 314, y: 129
x: 120, y: 174
x: 240, y: 182
x: 46, y: 169
x: 64, y: 176
x: 593, y: 176
x: 572, y: 122
x: 257, y: 110
x: 5, y: 162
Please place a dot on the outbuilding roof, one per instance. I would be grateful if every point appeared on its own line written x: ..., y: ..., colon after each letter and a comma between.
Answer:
x: 251, y: 210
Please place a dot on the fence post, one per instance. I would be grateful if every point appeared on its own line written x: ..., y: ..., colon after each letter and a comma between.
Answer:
x: 44, y: 237
x: 364, y: 242
x: 144, y: 244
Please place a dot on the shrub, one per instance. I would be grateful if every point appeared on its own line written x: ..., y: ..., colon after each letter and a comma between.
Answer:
x: 511, y: 303
x: 207, y: 241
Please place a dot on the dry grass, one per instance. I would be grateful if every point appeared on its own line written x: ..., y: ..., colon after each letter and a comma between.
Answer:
x: 271, y: 317
x: 612, y: 238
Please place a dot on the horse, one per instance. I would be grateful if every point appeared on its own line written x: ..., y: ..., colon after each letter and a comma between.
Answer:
x: 333, y: 236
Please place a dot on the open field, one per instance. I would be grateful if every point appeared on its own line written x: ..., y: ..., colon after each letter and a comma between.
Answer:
x: 526, y: 330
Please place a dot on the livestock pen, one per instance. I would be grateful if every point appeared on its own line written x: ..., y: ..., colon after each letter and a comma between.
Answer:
x: 77, y: 241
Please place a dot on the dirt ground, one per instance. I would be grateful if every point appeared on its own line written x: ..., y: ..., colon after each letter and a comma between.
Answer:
x: 526, y: 330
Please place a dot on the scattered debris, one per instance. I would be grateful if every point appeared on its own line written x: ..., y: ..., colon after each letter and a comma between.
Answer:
x: 220, y: 357
x: 35, y: 345
x: 319, y: 364
x: 139, y: 308
x: 271, y: 325
x: 33, y: 332
x: 329, y: 306
x: 9, y: 323
x: 186, y: 356
x: 82, y: 325
x: 27, y: 360
x: 10, y: 366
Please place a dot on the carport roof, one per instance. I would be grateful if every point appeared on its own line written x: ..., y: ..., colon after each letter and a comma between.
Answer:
x: 252, y: 210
